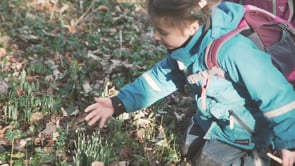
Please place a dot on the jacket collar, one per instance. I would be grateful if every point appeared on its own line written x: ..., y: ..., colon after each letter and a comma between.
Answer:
x: 186, y: 54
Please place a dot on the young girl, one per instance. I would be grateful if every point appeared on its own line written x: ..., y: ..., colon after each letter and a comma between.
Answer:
x: 238, y: 118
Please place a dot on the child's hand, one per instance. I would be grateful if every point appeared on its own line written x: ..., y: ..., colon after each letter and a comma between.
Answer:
x: 101, y: 111
x: 288, y: 157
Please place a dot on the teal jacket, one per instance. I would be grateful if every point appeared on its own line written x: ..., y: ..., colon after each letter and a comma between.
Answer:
x: 253, y: 108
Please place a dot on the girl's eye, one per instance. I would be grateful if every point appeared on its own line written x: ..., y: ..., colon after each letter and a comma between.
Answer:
x: 161, y: 32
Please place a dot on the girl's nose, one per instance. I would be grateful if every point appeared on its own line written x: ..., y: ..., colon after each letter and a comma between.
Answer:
x: 156, y: 36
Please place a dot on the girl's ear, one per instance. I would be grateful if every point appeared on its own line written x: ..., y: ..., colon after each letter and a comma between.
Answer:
x: 193, y: 27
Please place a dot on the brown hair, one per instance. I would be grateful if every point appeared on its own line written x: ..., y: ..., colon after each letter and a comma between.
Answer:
x: 179, y: 12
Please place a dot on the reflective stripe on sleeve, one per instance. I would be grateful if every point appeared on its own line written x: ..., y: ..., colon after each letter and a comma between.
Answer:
x: 280, y: 111
x: 151, y: 82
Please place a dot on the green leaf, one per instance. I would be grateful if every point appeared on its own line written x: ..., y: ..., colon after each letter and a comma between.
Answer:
x: 18, y: 155
x: 12, y: 134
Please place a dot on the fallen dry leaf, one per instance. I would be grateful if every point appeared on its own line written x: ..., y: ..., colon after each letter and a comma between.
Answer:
x: 36, y: 116
x: 4, y: 141
x: 162, y: 143
x: 22, y: 143
x: 125, y: 153
x: 140, y: 135
x: 72, y: 29
x: 143, y: 123
x: 49, y: 129
x: 55, y: 119
x: 50, y: 143
x: 113, y: 92
x: 86, y: 87
x: 20, y: 92
x: 24, y: 126
x: 32, y: 79
x: 64, y: 112
x: 103, y: 8
x: 3, y: 86
x: 37, y: 141
x: 64, y: 8
x: 97, y: 163
x: 161, y: 133
x: 2, y: 132
x: 3, y: 52
x: 12, y: 59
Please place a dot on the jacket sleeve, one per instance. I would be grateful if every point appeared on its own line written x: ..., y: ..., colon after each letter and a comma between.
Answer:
x: 265, y: 84
x: 156, y: 83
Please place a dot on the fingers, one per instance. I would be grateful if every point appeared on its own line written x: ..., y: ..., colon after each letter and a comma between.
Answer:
x: 102, y: 123
x: 90, y: 108
x: 95, y: 115
x: 93, y: 120
x: 287, y: 162
x: 101, y: 110
x: 288, y: 157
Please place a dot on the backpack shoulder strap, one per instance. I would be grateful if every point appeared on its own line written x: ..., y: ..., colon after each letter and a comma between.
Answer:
x: 213, y: 48
x: 291, y: 9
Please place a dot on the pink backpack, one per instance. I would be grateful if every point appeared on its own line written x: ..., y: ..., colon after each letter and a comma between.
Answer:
x: 271, y: 34
x: 281, y: 8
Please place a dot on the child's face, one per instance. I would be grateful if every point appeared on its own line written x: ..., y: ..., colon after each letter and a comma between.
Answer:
x: 172, y: 36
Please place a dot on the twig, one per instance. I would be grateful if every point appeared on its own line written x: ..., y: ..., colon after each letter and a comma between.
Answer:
x: 11, y: 153
x: 84, y: 14
x: 52, y: 12
x: 275, y: 158
x: 121, y: 41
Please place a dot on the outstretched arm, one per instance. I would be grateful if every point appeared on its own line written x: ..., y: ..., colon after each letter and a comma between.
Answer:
x: 163, y: 79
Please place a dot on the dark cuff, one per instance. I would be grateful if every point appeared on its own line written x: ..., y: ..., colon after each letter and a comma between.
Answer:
x: 291, y: 149
x: 118, y: 106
